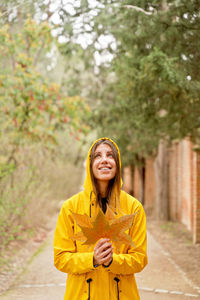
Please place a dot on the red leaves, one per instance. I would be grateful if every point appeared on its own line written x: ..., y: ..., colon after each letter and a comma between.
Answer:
x: 65, y: 119
x: 36, y: 109
x: 15, y: 122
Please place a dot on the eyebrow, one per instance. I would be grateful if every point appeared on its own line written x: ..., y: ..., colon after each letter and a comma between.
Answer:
x: 98, y: 152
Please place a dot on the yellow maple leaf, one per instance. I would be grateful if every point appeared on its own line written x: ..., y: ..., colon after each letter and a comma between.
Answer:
x: 104, y: 226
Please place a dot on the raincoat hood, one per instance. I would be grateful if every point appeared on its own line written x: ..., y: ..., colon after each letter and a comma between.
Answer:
x: 88, y: 181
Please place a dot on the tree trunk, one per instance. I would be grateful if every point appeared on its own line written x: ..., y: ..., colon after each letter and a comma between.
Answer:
x: 162, y: 182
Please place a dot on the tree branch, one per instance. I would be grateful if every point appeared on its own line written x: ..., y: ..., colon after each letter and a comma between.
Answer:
x: 38, y: 53
x: 138, y: 9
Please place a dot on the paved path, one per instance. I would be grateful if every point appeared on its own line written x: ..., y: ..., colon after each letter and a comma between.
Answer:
x: 160, y: 280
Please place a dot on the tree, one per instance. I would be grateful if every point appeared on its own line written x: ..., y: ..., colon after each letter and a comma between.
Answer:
x: 33, y: 110
x: 31, y: 107
x: 155, y: 92
x: 150, y: 91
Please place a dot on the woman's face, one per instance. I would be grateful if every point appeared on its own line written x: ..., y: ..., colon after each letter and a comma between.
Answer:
x: 104, y: 166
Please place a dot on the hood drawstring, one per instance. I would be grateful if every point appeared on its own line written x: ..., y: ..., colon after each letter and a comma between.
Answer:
x: 88, y: 281
x: 117, y: 280
x: 90, y: 204
x: 90, y: 210
x: 115, y: 206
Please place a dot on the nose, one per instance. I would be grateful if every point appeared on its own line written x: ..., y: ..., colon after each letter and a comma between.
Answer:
x: 104, y: 158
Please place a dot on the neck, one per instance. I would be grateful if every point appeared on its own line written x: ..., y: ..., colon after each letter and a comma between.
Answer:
x: 103, y: 187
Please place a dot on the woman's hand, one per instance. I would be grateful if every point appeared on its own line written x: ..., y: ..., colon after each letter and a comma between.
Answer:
x: 103, y: 252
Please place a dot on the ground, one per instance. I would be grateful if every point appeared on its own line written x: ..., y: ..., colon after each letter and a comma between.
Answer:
x: 177, y: 240
x: 173, y: 238
x: 19, y: 253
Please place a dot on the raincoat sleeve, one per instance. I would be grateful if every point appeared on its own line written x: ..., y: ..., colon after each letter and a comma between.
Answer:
x: 66, y: 259
x: 136, y: 258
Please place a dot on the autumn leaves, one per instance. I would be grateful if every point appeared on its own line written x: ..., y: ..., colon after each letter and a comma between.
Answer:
x: 104, y: 226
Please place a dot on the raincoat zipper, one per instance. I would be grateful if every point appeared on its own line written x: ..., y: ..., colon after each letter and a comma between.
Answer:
x: 88, y: 281
x: 117, y: 280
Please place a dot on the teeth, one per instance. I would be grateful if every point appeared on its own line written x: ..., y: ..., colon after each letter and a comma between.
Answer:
x: 105, y: 169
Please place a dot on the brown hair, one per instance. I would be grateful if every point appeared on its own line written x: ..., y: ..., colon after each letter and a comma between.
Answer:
x: 115, y: 183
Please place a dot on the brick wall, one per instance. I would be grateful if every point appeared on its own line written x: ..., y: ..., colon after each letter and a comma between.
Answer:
x: 150, y: 184
x: 136, y: 184
x: 196, y: 228
x: 173, y: 182
x: 187, y: 201
x: 127, y: 180
x: 180, y: 183
x: 184, y: 186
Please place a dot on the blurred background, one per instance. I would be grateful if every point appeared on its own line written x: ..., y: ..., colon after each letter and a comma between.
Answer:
x: 75, y: 70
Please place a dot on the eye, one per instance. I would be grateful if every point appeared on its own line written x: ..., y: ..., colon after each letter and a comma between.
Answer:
x: 110, y: 155
x: 97, y: 155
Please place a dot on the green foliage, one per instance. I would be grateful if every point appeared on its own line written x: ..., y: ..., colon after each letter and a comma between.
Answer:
x: 154, y: 93
x: 33, y: 114
x: 13, y: 202
x: 152, y: 75
x: 6, y: 169
x: 31, y: 108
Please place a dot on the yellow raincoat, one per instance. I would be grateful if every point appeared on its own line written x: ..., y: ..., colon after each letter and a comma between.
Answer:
x: 84, y: 280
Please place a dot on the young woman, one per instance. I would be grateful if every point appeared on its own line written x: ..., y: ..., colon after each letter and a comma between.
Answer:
x: 100, y: 272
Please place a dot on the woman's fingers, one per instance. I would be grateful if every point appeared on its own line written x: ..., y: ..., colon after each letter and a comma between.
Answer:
x: 99, y: 256
x: 104, y: 259
x: 101, y: 242
x: 103, y: 251
x: 104, y: 247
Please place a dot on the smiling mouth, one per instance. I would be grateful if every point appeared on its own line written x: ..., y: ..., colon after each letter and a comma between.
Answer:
x: 105, y: 169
